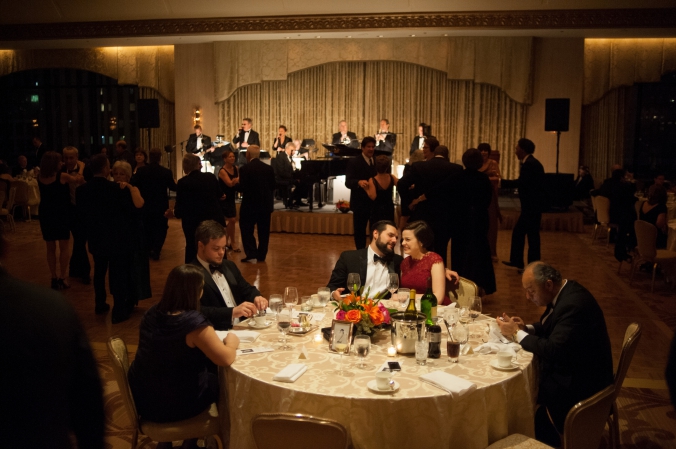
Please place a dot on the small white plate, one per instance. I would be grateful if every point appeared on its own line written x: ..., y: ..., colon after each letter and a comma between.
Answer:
x: 267, y: 324
x: 318, y: 306
x: 494, y: 364
x: 373, y: 386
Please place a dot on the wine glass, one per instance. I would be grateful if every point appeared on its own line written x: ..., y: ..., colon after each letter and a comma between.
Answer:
x: 283, y: 324
x: 474, y: 307
x: 393, y: 284
x: 291, y: 297
x: 353, y: 282
x: 463, y: 315
x: 341, y: 348
x: 403, y: 296
x: 362, y: 344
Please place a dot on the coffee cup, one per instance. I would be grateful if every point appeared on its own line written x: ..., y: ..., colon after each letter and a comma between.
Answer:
x: 260, y: 320
x: 505, y: 359
x: 383, y: 380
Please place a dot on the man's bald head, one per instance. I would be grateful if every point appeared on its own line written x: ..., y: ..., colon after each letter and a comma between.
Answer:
x: 542, y: 282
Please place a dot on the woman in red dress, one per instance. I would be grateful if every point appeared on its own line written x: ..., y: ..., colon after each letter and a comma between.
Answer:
x: 421, y: 263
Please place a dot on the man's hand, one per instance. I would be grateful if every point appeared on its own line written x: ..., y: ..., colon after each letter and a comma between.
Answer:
x: 508, y: 326
x: 261, y: 303
x: 336, y: 294
x: 244, y: 145
x: 246, y: 309
x: 452, y: 276
x: 364, y: 184
x: 231, y: 340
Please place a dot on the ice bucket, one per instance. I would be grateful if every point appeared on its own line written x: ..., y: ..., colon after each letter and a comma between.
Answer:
x: 405, y: 328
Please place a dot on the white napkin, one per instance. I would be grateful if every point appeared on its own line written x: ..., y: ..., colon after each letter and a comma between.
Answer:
x: 494, y: 348
x: 291, y: 373
x: 244, y: 336
x: 448, y: 382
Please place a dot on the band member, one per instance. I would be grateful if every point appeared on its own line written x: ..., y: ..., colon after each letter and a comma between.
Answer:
x: 343, y: 136
x: 244, y: 139
x: 419, y: 139
x: 198, y: 142
x: 279, y: 144
x: 385, y: 140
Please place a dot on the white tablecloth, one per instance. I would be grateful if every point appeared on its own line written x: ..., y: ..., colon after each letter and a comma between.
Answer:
x: 671, y: 237
x: 417, y: 415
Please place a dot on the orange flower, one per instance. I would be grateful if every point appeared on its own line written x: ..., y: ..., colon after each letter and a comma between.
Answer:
x: 353, y: 316
x: 376, y: 316
x: 367, y: 308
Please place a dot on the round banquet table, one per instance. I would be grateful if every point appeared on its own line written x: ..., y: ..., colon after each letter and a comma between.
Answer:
x: 416, y: 415
x: 671, y: 236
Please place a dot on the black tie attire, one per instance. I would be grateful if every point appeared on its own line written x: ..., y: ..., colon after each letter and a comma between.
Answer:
x: 359, y: 169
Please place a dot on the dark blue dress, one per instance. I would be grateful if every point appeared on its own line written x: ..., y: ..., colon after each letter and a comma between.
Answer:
x: 169, y: 380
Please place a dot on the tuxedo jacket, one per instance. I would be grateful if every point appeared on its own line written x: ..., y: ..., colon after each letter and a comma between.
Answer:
x: 357, y: 170
x: 415, y: 144
x: 387, y: 145
x: 573, y: 350
x: 355, y: 261
x: 283, y: 169
x: 212, y: 304
x: 531, y: 185
x: 335, y: 139
x: 191, y: 147
x: 252, y: 140
x: 197, y: 199
x: 257, y: 184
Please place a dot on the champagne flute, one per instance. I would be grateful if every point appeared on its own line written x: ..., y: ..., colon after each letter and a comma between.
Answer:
x: 291, y: 297
x: 393, y: 284
x: 353, y: 282
x: 283, y: 324
x: 341, y: 347
x: 363, y: 345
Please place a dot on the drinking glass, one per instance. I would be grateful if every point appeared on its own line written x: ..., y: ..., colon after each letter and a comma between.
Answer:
x: 306, y: 303
x: 393, y: 284
x: 324, y: 295
x: 463, y: 315
x: 362, y: 344
x: 283, y: 324
x: 422, y: 348
x: 290, y: 297
x: 276, y: 303
x: 341, y: 348
x: 353, y: 282
x: 403, y: 295
x: 474, y: 307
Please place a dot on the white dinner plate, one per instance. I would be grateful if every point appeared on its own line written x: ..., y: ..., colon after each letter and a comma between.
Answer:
x: 373, y: 386
x: 494, y: 364
x: 267, y: 324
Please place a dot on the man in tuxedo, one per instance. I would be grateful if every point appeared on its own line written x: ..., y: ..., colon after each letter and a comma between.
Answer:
x: 531, y: 185
x: 385, y: 141
x: 285, y: 177
x: 35, y: 155
x: 21, y: 165
x: 571, y: 343
x: 343, y: 135
x: 419, y: 139
x: 357, y: 174
x: 427, y: 204
x: 226, y: 296
x: 245, y: 138
x: 198, y: 142
x: 79, y: 266
x: 197, y: 199
x: 153, y: 180
x: 257, y: 184
x: 123, y: 154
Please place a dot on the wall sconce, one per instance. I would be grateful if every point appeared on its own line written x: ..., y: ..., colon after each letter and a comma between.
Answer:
x: 35, y: 123
x: 197, y: 117
x: 113, y: 123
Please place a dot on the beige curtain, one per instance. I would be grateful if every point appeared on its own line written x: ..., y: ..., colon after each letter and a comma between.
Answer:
x: 310, y: 103
x: 603, y: 133
x: 166, y: 133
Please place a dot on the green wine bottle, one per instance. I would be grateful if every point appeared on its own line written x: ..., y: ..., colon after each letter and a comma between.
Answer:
x: 428, y: 304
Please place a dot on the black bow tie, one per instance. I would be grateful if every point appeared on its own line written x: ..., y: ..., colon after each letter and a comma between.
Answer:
x: 213, y: 268
x: 385, y: 260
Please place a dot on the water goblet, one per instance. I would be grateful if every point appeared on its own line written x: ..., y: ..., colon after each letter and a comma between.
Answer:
x: 324, y: 295
x: 362, y: 344
x: 291, y: 297
x: 283, y: 324
x: 353, y: 282
x: 403, y: 296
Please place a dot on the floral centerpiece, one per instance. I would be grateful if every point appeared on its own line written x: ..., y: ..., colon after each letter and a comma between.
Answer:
x: 367, y: 314
x: 343, y: 206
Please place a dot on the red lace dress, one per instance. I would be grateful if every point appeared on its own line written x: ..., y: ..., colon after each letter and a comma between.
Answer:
x: 414, y: 273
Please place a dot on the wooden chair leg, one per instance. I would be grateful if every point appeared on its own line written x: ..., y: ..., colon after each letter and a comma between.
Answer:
x: 652, y: 286
x: 134, y: 439
x: 608, y: 237
x: 596, y: 226
x: 614, y: 427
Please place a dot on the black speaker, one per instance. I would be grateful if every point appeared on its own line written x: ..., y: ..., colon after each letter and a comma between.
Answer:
x: 560, y: 188
x: 148, y: 113
x: 557, y: 111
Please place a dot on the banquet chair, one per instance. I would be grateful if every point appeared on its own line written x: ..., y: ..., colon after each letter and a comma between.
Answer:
x: 204, y: 424
x: 583, y: 429
x: 631, y: 338
x: 6, y: 211
x: 602, y: 209
x: 21, y: 198
x: 646, y: 239
x: 463, y: 291
x: 281, y: 431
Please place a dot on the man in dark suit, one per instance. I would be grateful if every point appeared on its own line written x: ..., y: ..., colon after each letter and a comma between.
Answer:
x: 357, y: 174
x: 385, y: 140
x: 34, y: 156
x: 244, y: 138
x: 257, y: 184
x: 48, y: 370
x: 419, y: 139
x: 198, y: 142
x: 153, y: 180
x: 344, y: 136
x: 197, y: 199
x: 285, y: 177
x: 531, y: 185
x: 428, y: 204
x: 123, y: 154
x: 227, y: 296
x: 571, y: 342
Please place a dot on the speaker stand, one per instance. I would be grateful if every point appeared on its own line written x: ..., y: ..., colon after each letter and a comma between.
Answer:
x: 558, y: 138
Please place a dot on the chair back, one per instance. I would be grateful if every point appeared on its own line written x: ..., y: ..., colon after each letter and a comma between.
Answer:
x: 602, y: 209
x: 638, y: 205
x: 631, y: 338
x: 586, y: 421
x: 281, y: 430
x: 21, y: 198
x: 593, y: 200
x: 646, y: 239
x: 4, y: 186
x: 463, y: 291
x: 2, y: 198
x: 10, y: 199
x: 117, y: 352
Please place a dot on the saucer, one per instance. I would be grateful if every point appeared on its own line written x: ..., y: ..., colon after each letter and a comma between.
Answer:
x: 494, y: 364
x: 373, y: 386
x: 319, y: 306
x: 256, y: 326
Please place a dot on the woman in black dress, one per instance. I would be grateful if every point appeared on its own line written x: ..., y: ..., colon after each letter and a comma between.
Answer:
x: 380, y: 190
x: 654, y: 211
x: 56, y: 214
x: 172, y: 376
x: 228, y: 179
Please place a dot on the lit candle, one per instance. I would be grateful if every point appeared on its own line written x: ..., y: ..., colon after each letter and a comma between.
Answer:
x: 391, y: 351
x: 318, y: 338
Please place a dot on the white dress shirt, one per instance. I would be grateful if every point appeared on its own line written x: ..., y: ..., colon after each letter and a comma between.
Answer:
x: 377, y: 274
x: 223, y: 286
x: 421, y: 142
x: 520, y: 335
x: 246, y: 136
x: 199, y: 142
x: 367, y: 159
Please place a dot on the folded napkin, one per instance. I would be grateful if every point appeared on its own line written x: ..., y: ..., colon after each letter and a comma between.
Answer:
x: 494, y: 348
x: 291, y: 373
x: 448, y: 382
x: 244, y: 336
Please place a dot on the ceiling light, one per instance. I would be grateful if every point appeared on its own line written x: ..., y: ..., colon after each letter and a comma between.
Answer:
x: 445, y: 35
x: 349, y: 36
x: 287, y: 37
x: 380, y: 35
x: 318, y: 37
x: 412, y: 35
